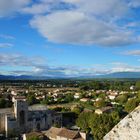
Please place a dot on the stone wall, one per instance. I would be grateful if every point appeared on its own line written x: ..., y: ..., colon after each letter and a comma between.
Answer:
x: 126, y: 129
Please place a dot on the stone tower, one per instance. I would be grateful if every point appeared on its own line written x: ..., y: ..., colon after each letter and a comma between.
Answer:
x: 21, y: 112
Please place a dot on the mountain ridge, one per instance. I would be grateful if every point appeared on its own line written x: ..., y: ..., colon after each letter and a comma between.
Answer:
x: 111, y: 75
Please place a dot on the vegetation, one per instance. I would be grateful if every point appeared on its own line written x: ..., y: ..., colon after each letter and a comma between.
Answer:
x: 34, y: 138
x: 96, y: 91
x: 5, y: 103
x: 131, y: 104
x: 99, y: 125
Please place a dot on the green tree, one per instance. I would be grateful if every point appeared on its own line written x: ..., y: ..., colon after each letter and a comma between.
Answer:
x: 77, y: 109
x: 138, y: 95
x: 69, y: 98
x: 131, y: 104
x: 34, y: 138
x: 83, y: 121
x: 5, y: 103
x: 115, y: 116
x: 122, y: 99
x: 138, y: 85
x: 100, y: 125
x: 100, y: 103
x: 31, y: 99
x: 2, y: 103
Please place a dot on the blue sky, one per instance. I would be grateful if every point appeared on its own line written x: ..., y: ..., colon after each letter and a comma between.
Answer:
x: 69, y: 38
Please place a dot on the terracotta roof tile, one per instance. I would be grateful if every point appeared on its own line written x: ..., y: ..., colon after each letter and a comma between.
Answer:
x: 68, y: 133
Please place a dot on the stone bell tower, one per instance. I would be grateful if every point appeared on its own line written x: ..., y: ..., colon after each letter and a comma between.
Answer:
x: 21, y: 112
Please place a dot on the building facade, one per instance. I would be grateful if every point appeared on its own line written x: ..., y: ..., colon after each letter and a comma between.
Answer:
x: 22, y: 118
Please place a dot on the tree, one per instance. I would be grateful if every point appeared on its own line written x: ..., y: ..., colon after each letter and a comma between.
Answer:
x: 115, y: 116
x: 131, y: 104
x: 138, y: 95
x: 83, y: 121
x: 77, y: 109
x: 45, y: 101
x: 122, y: 99
x: 34, y: 138
x: 100, y: 125
x: 5, y: 103
x: 69, y: 98
x: 138, y: 85
x: 100, y: 103
x: 31, y: 99
x: 2, y: 103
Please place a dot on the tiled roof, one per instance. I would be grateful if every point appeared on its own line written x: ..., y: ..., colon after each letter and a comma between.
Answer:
x: 68, y: 133
x: 52, y: 132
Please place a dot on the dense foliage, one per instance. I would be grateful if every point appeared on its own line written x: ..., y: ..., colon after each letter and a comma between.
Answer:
x: 99, y: 125
x: 5, y: 103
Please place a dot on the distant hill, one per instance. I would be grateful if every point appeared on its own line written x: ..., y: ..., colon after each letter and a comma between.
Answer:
x: 121, y: 75
x: 111, y: 75
x: 22, y: 77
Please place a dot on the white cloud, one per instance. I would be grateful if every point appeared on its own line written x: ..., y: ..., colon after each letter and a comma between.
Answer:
x: 90, y: 22
x: 45, y: 6
x: 107, y: 8
x: 8, y: 7
x: 37, y: 67
x: 134, y: 3
x: 74, y: 27
x: 132, y: 52
x: 36, y: 9
x: 123, y: 67
x: 5, y: 45
x: 19, y: 60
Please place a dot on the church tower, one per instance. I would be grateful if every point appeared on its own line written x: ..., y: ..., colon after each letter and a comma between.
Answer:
x: 21, y: 112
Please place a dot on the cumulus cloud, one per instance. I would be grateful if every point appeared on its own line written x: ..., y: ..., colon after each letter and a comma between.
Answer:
x: 75, y: 71
x: 74, y: 27
x: 37, y: 67
x: 90, y: 22
x: 19, y: 60
x: 108, y: 8
x: 45, y: 6
x: 134, y: 3
x: 123, y: 67
x: 7, y: 7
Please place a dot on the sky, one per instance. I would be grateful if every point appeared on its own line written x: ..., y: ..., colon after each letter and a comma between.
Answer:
x: 69, y: 38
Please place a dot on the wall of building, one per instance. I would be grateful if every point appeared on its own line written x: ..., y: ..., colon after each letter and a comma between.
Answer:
x: 2, y: 122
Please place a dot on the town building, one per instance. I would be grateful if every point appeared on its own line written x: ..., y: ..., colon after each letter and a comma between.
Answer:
x: 102, y: 110
x: 64, y: 134
x: 23, y: 118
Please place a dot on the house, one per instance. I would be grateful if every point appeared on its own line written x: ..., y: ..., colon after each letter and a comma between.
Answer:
x: 132, y: 87
x: 112, y: 96
x: 84, y: 99
x: 64, y: 134
x: 102, y: 110
x: 77, y: 95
